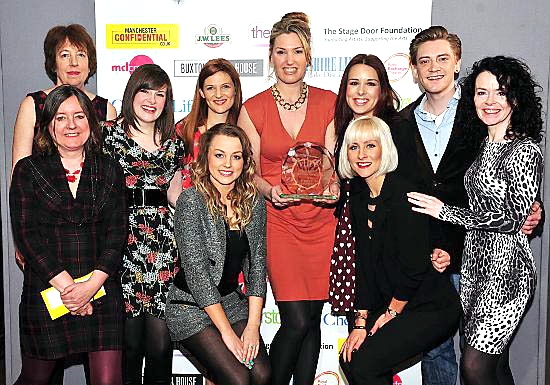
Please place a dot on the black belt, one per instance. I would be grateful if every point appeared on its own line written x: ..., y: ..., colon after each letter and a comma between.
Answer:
x: 140, y: 197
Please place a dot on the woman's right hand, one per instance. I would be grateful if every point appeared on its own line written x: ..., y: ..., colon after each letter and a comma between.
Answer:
x: 234, y: 344
x: 276, y: 198
x: 353, y: 342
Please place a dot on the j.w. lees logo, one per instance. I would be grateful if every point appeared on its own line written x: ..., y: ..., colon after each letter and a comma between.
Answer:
x: 213, y: 37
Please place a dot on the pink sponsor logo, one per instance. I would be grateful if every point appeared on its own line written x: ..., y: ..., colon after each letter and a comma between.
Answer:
x: 397, y: 66
x: 134, y: 63
x: 397, y: 380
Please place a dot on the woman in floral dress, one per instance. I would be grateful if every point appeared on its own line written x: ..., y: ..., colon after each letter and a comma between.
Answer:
x: 142, y: 139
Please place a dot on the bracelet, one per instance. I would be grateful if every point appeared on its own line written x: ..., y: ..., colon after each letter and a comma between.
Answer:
x: 392, y: 312
x: 360, y: 327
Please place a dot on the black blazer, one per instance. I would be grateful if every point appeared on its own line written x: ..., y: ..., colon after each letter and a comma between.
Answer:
x: 395, y: 261
x: 447, y: 183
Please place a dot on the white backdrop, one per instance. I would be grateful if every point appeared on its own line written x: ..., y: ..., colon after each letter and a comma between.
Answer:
x: 181, y: 35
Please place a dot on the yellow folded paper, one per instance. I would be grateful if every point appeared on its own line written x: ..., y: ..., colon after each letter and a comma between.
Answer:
x: 54, y: 304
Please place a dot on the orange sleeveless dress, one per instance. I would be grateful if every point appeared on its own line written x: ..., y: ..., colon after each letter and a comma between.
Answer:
x: 300, y: 237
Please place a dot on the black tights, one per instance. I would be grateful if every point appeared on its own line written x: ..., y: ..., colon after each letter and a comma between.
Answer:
x: 478, y: 368
x: 105, y: 369
x: 295, y: 348
x: 147, y: 337
x: 223, y: 368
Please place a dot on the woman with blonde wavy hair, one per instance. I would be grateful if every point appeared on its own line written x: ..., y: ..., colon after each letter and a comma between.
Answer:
x: 220, y: 227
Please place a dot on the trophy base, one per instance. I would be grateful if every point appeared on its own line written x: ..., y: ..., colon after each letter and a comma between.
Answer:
x: 309, y: 196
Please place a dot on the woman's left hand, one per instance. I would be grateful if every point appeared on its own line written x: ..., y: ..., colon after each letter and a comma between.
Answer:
x: 78, y: 294
x: 380, y: 322
x: 353, y: 342
x: 251, y: 344
x: 426, y: 204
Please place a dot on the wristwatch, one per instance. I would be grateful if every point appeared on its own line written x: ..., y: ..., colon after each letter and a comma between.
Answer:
x: 393, y: 313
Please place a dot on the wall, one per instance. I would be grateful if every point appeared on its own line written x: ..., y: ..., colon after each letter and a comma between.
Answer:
x: 515, y: 28
x: 486, y: 28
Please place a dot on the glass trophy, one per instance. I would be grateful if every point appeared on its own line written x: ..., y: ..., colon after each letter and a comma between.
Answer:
x: 307, y: 171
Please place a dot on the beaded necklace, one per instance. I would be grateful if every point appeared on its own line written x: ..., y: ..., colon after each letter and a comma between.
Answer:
x: 286, y: 105
x: 73, y: 175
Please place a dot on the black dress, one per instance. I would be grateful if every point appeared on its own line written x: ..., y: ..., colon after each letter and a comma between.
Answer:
x: 393, y: 261
x: 57, y: 232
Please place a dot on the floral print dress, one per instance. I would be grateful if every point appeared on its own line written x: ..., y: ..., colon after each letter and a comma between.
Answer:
x: 150, y: 260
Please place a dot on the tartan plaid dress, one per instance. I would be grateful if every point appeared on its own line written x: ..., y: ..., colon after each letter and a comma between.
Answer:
x: 55, y: 232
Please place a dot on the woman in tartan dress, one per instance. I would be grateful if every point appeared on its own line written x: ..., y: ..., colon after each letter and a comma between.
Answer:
x: 68, y: 215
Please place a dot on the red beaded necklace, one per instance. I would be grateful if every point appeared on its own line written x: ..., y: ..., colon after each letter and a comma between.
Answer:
x: 72, y: 175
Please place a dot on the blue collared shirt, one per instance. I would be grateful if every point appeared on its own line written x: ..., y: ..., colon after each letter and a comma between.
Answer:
x: 435, y: 130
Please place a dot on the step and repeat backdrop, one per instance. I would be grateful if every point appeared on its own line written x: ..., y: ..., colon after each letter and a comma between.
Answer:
x: 181, y: 35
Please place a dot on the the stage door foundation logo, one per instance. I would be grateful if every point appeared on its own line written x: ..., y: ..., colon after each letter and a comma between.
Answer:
x: 132, y: 64
x: 213, y: 37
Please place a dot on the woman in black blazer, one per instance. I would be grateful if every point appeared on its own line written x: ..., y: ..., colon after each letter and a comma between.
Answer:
x: 403, y: 306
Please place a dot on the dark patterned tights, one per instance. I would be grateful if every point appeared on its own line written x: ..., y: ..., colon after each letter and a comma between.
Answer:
x: 105, y: 369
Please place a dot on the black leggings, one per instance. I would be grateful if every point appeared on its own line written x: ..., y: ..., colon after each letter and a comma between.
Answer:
x: 105, y: 369
x: 479, y: 368
x: 223, y: 368
x: 295, y: 348
x: 147, y: 337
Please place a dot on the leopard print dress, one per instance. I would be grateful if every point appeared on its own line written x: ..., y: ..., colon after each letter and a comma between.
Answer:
x: 498, y: 274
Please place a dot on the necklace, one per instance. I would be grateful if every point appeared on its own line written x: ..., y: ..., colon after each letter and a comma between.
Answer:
x: 73, y: 175
x: 286, y: 105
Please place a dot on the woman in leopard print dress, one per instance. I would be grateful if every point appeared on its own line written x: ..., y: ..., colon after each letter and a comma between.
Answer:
x: 498, y: 275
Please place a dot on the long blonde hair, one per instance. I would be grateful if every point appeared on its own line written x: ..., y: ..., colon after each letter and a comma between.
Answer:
x: 242, y: 196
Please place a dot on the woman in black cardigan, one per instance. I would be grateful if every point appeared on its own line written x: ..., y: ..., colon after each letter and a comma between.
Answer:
x: 403, y: 306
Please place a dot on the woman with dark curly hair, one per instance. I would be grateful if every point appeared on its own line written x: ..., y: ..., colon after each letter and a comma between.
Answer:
x: 498, y: 275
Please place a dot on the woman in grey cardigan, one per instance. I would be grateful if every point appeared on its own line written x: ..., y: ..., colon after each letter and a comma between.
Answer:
x: 220, y: 230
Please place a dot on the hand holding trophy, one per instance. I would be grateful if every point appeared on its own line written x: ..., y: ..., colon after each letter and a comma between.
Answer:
x: 307, y: 172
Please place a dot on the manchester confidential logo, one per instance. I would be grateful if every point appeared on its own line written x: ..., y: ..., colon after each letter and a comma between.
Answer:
x: 213, y: 37
x: 139, y: 36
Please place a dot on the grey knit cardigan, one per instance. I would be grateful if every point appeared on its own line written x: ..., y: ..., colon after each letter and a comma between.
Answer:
x: 201, y: 241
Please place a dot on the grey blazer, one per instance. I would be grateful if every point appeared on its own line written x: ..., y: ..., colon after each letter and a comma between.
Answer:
x: 201, y: 242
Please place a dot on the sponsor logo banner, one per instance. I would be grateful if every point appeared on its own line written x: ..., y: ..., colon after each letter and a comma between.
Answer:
x: 245, y: 67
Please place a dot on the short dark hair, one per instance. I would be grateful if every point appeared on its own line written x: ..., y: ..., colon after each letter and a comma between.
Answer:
x: 515, y: 80
x: 77, y: 36
x: 149, y: 77
x: 435, y: 32
x: 44, y: 141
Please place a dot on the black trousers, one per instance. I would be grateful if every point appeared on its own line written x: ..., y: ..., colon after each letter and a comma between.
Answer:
x: 413, y: 332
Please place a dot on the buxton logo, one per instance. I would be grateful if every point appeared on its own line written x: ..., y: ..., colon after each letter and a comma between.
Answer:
x: 187, y: 379
x: 132, y: 64
x: 213, y: 37
x: 397, y: 66
x: 245, y: 67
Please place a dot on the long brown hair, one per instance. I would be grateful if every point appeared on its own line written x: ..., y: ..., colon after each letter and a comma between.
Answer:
x: 242, y: 196
x: 199, y: 111
x: 149, y: 77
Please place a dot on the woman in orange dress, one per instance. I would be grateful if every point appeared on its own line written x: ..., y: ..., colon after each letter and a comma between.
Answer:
x: 300, y: 234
